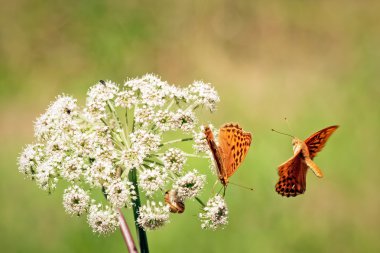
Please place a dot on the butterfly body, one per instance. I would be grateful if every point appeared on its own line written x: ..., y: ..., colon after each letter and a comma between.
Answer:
x: 292, y: 173
x: 229, y: 153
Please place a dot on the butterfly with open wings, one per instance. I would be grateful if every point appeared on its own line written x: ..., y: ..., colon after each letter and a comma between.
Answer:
x: 292, y: 173
x: 233, y: 147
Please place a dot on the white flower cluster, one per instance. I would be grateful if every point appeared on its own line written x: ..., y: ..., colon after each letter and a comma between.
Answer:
x: 76, y: 201
x: 174, y: 160
x: 215, y: 213
x: 153, y: 216
x: 102, y: 220
x: 121, y: 131
x: 189, y: 185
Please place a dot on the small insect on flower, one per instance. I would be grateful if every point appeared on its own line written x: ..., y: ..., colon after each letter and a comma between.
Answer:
x: 153, y: 216
x: 215, y: 213
x: 175, y: 204
x: 76, y: 201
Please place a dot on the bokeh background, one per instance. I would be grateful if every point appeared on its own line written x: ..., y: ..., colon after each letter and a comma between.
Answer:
x: 314, y: 62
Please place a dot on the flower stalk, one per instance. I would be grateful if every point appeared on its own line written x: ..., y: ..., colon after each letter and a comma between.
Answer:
x: 129, y: 242
x: 141, y: 234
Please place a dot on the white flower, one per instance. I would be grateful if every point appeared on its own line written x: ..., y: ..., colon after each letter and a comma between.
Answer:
x: 144, y: 115
x: 174, y: 160
x: 178, y: 94
x: 154, y: 91
x: 126, y: 99
x: 46, y: 177
x: 76, y: 200
x: 189, y: 185
x: 200, y: 143
x: 29, y: 159
x: 145, y: 140
x: 102, y: 220
x: 101, y: 172
x: 204, y: 94
x: 153, y: 216
x: 72, y: 168
x: 164, y: 120
x: 215, y: 213
x: 151, y: 180
x: 132, y: 157
x: 151, y: 89
x: 120, y: 193
x: 97, y: 98
x: 185, y: 120
x: 58, y: 119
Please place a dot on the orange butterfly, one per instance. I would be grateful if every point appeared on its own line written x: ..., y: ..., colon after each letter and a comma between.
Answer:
x: 233, y: 147
x: 292, y: 173
x: 175, y: 204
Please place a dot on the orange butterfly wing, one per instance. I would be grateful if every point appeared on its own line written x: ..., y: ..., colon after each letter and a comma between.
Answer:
x: 215, y: 152
x: 292, y: 174
x: 317, y: 141
x: 234, y: 144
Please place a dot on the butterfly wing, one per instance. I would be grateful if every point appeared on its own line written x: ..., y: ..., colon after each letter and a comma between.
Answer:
x: 215, y: 150
x: 317, y: 141
x: 292, y: 174
x: 234, y: 144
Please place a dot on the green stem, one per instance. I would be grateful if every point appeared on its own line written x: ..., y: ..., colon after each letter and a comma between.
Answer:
x: 175, y: 141
x: 143, y: 239
x: 118, y: 122
x: 200, y: 201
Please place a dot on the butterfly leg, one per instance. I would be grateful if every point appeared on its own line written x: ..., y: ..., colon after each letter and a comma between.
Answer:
x: 314, y: 167
x: 213, y: 187
x: 220, y: 191
x: 224, y: 190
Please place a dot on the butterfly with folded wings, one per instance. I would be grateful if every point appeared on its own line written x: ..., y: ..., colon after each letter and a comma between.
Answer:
x: 233, y: 147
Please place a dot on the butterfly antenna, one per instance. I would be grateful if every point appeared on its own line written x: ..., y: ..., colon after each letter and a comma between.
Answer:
x: 287, y: 123
x: 242, y: 186
x: 282, y: 133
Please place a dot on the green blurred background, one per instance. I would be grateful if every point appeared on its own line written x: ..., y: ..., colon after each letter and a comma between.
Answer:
x: 315, y: 62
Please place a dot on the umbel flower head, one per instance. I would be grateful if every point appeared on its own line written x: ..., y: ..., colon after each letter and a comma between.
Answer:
x: 215, y: 213
x: 123, y: 130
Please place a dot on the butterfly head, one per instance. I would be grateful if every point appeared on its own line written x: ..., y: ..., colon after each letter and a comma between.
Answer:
x: 297, y: 145
x: 224, y: 181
